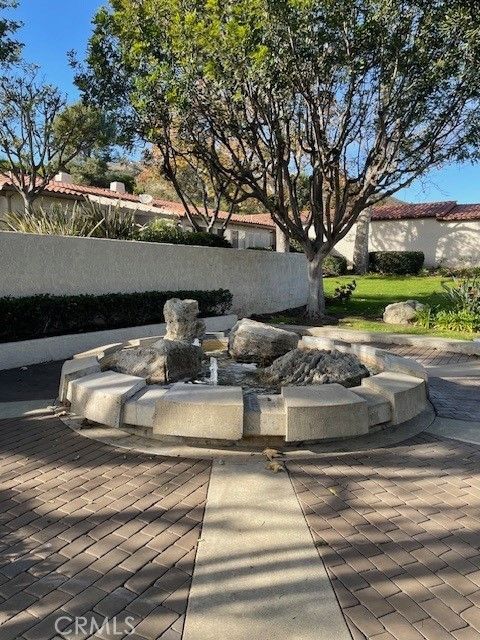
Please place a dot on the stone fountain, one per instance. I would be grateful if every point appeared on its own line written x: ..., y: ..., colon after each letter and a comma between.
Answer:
x: 263, y: 382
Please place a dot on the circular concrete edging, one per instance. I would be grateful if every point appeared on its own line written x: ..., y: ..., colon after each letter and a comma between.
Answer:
x: 127, y: 440
x: 205, y: 413
x: 356, y: 336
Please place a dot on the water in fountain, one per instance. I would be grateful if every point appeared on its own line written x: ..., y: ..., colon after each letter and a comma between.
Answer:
x: 213, y: 371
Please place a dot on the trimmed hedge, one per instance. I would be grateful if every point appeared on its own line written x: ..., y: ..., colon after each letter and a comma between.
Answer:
x: 335, y: 266
x: 46, y: 315
x: 398, y: 263
x: 161, y: 231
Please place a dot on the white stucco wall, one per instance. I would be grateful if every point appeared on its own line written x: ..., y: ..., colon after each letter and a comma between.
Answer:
x: 260, y: 281
x: 13, y: 202
x: 446, y: 243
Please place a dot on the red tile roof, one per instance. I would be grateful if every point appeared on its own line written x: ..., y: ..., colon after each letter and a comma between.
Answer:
x: 164, y: 206
x: 463, y: 212
x: 406, y: 211
x: 177, y: 209
x: 442, y: 211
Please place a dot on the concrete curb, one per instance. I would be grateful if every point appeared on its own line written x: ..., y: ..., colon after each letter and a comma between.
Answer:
x: 123, y: 439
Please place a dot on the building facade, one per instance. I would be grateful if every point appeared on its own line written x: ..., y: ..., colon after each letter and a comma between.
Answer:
x: 446, y: 232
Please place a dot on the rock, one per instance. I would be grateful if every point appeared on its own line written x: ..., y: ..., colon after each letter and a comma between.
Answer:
x: 402, y: 312
x: 182, y: 322
x: 164, y: 361
x: 252, y: 341
x: 313, y: 366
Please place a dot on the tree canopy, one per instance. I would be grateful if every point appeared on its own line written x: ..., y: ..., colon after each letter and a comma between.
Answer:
x: 363, y: 96
x: 40, y: 134
x: 9, y: 47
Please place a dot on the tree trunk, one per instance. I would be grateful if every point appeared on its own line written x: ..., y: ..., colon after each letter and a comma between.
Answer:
x: 360, y: 250
x: 282, y: 244
x: 28, y: 202
x: 316, y: 295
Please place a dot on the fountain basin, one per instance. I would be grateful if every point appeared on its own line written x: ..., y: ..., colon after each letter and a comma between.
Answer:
x: 204, y: 412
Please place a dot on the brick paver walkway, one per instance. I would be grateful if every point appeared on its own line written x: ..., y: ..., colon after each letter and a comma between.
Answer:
x: 428, y: 356
x: 93, y: 531
x: 89, y: 530
x: 399, y: 532
x: 458, y: 397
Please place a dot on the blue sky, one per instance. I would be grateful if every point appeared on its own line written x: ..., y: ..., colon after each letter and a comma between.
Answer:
x: 53, y: 27
x: 50, y: 29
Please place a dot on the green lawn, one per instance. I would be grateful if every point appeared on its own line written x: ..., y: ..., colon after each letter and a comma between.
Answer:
x: 373, y: 293
x: 365, y: 308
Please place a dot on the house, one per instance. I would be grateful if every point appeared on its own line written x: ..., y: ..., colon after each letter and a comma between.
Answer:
x: 446, y: 232
x: 244, y: 231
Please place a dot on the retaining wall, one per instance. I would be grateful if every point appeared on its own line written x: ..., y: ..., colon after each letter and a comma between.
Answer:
x: 260, y: 281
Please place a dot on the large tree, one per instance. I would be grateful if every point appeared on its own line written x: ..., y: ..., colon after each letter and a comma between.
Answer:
x: 203, y: 192
x: 174, y: 172
x: 101, y: 168
x: 40, y: 134
x: 364, y: 96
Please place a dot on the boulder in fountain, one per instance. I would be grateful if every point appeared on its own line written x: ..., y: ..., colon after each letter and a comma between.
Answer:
x: 183, y: 324
x: 164, y: 361
x: 169, y: 359
x: 252, y: 341
x: 313, y: 366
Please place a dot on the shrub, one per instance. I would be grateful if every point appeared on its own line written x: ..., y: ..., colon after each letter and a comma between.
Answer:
x: 112, y: 221
x: 464, y: 295
x: 463, y: 298
x: 295, y: 246
x: 425, y: 317
x: 46, y: 315
x: 164, y: 231
x: 86, y: 219
x: 61, y: 221
x: 334, y: 266
x: 457, y: 320
x: 398, y: 263
x: 344, y: 292
x: 458, y: 271
x: 204, y: 239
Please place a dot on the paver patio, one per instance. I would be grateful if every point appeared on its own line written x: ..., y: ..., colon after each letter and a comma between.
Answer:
x: 428, y: 356
x: 454, y: 380
x: 89, y: 529
x: 399, y: 532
